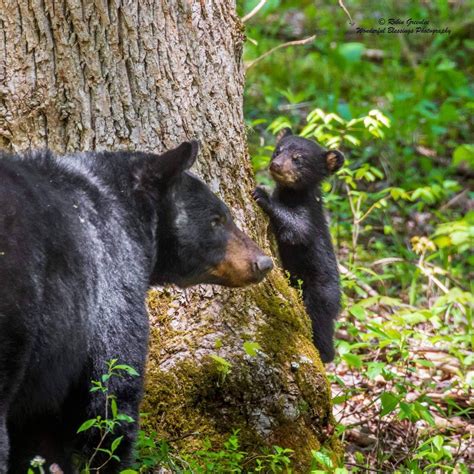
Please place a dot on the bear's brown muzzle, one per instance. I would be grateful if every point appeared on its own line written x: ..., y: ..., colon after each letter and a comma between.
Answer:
x: 244, y: 262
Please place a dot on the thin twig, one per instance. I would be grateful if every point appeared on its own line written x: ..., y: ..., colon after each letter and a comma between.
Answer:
x: 300, y: 105
x: 440, y: 285
x: 284, y: 45
x: 430, y: 349
x: 346, y: 11
x: 368, y: 289
x: 385, y: 261
x: 407, y: 53
x: 102, y: 438
x: 360, y: 466
x: 388, y: 260
x: 254, y: 11
x: 454, y: 200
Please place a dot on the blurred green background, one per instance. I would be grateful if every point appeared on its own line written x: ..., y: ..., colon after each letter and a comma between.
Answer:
x: 401, y: 108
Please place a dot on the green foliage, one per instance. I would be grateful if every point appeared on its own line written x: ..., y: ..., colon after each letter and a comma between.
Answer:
x: 105, y: 425
x: 464, y: 154
x: 230, y: 459
x: 401, y: 109
x: 223, y: 367
x: 251, y: 348
x: 333, y: 131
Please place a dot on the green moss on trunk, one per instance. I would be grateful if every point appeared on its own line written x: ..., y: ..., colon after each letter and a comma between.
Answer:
x: 278, y: 397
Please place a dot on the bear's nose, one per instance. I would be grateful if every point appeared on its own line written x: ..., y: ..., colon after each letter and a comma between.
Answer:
x: 275, y: 166
x: 264, y: 264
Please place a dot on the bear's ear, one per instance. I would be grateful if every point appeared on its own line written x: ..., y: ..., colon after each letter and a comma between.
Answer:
x: 284, y: 132
x: 334, y: 160
x: 175, y: 161
x: 150, y: 169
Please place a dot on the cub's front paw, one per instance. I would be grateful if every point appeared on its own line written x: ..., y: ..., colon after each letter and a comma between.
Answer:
x: 261, y: 197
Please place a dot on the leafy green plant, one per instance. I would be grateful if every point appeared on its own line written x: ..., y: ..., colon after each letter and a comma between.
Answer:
x: 229, y: 459
x: 399, y: 214
x: 105, y: 425
x: 223, y: 367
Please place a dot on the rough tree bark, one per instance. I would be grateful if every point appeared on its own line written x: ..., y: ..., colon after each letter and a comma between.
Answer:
x: 95, y: 74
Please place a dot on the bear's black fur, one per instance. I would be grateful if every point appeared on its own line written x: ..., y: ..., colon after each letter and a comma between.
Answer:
x: 297, y: 219
x: 82, y: 238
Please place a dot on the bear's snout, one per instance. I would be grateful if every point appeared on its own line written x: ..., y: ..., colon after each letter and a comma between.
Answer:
x: 263, y: 264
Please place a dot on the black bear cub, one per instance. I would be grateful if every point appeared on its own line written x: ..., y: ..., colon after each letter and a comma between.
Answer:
x: 82, y: 238
x: 296, y: 214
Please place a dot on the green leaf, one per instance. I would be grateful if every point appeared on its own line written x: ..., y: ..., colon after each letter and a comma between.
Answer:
x: 341, y: 399
x: 353, y: 360
x: 438, y: 442
x: 389, y: 402
x: 351, y: 52
x: 113, y: 406
x: 124, y: 417
x: 308, y: 129
x: 414, y: 318
x: 424, y: 363
x: 380, y: 117
x: 322, y: 459
x: 115, y: 444
x: 251, y: 348
x: 406, y: 411
x: 464, y: 153
x: 358, y: 311
x: 128, y: 369
x: 352, y: 140
x: 316, y: 115
x: 221, y: 361
x: 425, y: 414
x: 374, y: 369
x: 87, y: 425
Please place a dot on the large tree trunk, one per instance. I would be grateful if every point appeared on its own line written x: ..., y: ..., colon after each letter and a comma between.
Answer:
x: 81, y: 75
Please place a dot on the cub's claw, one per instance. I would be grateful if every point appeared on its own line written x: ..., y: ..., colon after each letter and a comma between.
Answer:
x: 261, y: 197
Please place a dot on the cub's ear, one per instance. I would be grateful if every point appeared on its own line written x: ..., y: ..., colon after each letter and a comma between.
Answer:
x: 285, y: 132
x: 151, y: 168
x: 334, y: 160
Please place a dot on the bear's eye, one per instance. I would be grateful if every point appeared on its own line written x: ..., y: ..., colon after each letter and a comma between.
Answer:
x: 218, y: 221
x: 296, y: 157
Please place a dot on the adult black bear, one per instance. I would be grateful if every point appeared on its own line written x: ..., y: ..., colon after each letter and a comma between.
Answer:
x: 297, y: 219
x: 82, y: 238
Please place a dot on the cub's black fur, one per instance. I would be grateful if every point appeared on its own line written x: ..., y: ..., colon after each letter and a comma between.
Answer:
x: 82, y: 238
x: 297, y: 219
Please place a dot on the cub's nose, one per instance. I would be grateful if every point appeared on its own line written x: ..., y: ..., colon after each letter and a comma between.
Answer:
x: 264, y: 264
x: 275, y: 166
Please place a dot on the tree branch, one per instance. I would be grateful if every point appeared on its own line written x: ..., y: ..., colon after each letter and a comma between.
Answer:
x: 284, y: 45
x: 346, y: 11
x: 254, y: 11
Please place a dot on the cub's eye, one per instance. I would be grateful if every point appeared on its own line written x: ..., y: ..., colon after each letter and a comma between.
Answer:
x: 296, y: 157
x: 218, y: 221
